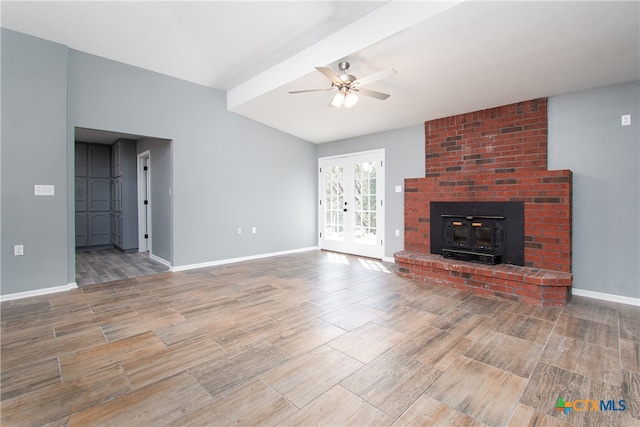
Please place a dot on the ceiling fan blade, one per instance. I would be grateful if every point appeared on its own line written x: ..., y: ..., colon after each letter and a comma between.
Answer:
x: 330, y: 75
x: 372, y: 93
x: 311, y: 90
x: 375, y: 77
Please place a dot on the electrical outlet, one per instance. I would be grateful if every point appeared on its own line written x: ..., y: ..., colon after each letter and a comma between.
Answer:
x: 18, y: 250
x: 625, y: 120
x: 239, y: 230
x: 253, y: 230
x: 397, y: 233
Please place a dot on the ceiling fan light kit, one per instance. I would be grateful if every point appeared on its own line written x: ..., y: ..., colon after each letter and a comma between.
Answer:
x: 337, y: 100
x: 344, y: 98
x: 347, y: 85
x: 350, y: 99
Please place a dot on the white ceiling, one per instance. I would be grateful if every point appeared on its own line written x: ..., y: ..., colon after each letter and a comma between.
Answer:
x: 451, y: 57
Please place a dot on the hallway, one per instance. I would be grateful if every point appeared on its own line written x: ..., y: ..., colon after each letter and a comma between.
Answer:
x: 106, y: 265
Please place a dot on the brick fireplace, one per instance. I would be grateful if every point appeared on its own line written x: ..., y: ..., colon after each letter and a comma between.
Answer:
x: 493, y: 155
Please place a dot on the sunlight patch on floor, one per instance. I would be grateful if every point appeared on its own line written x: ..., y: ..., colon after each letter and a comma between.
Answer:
x: 370, y: 264
x: 338, y: 258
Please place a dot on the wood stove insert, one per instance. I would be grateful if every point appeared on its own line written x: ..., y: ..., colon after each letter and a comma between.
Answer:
x: 484, y: 232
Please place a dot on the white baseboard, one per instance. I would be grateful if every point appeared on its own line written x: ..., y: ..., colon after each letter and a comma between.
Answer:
x: 159, y: 260
x: 606, y: 297
x: 388, y: 259
x: 247, y: 258
x: 38, y: 292
x: 70, y: 286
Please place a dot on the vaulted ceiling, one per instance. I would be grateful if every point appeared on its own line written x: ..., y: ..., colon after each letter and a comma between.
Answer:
x: 451, y: 57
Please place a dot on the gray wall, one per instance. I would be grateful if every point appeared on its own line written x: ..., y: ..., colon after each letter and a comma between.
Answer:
x: 228, y: 171
x: 34, y: 151
x: 404, y: 156
x: 160, y: 177
x: 585, y: 136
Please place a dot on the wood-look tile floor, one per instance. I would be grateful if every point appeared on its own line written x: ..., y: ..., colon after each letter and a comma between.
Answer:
x: 106, y: 265
x: 314, y: 338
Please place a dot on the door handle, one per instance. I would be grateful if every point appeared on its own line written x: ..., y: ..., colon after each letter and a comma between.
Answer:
x: 344, y: 210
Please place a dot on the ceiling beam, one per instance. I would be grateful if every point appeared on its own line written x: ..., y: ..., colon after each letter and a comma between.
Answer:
x: 383, y: 22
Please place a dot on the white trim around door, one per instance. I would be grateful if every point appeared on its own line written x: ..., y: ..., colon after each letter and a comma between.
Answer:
x: 351, y: 203
x: 144, y: 201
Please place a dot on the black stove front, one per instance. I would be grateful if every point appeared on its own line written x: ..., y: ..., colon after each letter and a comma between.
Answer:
x: 485, y: 232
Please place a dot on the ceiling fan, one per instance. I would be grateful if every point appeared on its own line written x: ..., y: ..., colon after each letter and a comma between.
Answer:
x: 348, y: 86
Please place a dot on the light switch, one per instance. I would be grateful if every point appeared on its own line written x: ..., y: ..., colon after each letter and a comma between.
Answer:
x: 398, y: 189
x: 44, y: 190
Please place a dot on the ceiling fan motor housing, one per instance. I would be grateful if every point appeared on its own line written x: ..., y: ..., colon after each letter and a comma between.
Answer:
x: 345, y: 78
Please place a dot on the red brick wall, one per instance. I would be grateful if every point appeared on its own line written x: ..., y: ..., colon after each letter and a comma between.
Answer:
x: 547, y: 209
x: 499, y: 154
x: 502, y: 139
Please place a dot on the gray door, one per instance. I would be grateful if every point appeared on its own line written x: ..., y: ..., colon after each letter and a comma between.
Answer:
x: 99, y: 228
x: 99, y: 161
x: 82, y: 227
x: 81, y: 194
x: 92, y: 195
x: 99, y: 192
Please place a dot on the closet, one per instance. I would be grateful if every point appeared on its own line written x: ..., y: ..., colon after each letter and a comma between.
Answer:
x: 105, y: 196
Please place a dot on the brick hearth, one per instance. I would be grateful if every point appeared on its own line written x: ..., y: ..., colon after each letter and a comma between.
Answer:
x: 499, y: 154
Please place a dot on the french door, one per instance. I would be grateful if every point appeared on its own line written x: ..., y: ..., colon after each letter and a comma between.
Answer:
x: 351, y: 205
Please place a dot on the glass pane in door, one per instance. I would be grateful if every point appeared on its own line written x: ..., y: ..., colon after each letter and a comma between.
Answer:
x: 334, y: 203
x: 364, y: 180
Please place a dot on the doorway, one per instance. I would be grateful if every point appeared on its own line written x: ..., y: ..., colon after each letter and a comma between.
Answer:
x: 112, y: 259
x: 351, y: 207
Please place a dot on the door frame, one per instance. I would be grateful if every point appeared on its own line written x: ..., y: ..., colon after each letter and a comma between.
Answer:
x: 144, y: 244
x: 380, y: 186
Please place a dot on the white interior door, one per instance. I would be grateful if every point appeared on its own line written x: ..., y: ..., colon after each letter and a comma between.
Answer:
x: 351, y: 205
